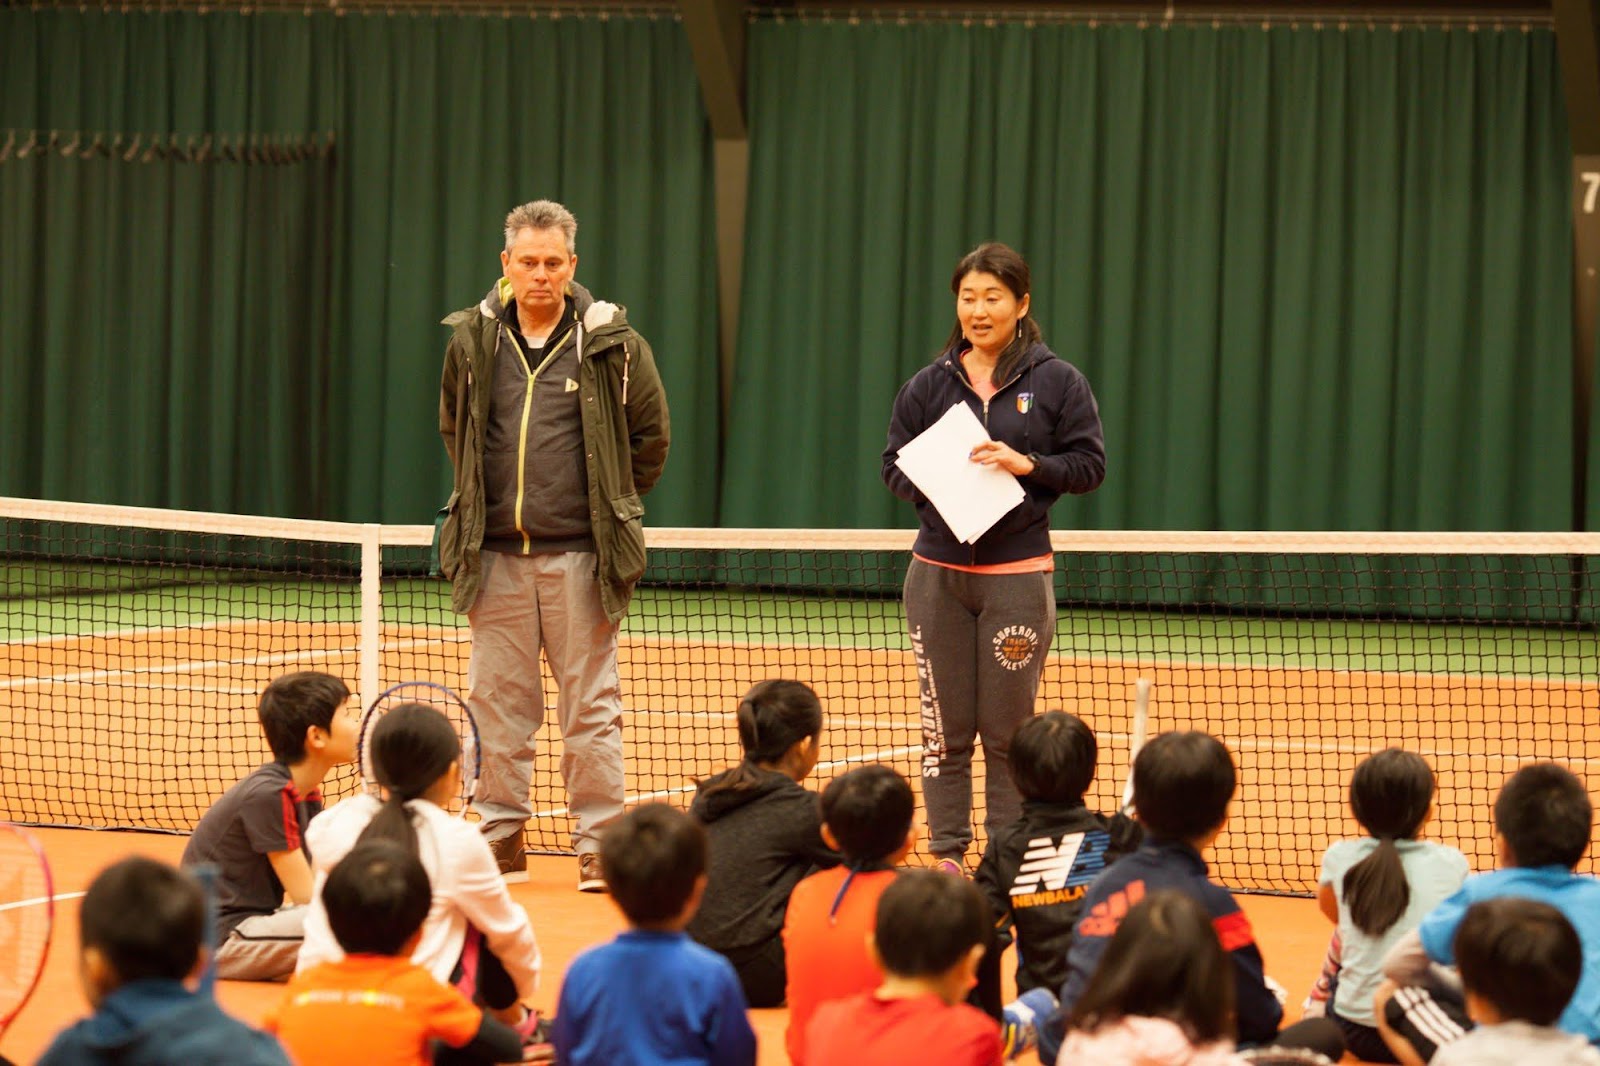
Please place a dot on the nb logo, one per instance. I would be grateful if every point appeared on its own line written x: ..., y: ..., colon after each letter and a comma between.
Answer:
x: 1048, y: 866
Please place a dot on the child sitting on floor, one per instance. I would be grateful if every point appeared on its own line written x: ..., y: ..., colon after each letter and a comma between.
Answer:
x: 867, y: 815
x: 766, y: 835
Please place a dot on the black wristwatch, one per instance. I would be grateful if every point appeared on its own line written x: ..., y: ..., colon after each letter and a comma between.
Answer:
x: 1037, y: 460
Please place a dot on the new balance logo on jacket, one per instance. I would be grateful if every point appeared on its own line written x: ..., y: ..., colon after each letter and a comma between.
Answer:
x: 1054, y: 871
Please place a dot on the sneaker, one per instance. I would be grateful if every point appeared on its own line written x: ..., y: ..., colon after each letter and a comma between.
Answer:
x: 535, y: 1033
x: 1021, y: 1018
x: 947, y: 865
x: 589, y: 877
x: 511, y: 858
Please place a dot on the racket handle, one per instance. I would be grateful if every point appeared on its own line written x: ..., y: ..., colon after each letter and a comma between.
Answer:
x: 1136, y: 735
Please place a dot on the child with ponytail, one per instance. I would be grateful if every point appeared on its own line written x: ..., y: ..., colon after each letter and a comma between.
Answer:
x: 765, y: 833
x: 475, y: 936
x: 1380, y: 887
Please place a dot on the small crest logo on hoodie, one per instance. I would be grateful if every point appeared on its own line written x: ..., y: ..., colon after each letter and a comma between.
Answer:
x: 572, y: 386
x: 1024, y: 402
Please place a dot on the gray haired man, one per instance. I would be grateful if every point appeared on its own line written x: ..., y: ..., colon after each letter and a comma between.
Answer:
x: 556, y: 424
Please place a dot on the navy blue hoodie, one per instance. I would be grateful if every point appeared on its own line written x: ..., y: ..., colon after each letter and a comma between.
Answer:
x: 1045, y: 409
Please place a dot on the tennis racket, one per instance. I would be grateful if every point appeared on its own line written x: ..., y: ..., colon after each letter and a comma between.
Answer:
x: 27, y: 914
x: 447, y: 703
x: 1136, y: 736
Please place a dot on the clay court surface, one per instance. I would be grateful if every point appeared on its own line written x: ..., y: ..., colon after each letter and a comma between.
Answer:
x: 1293, y: 934
x: 76, y: 752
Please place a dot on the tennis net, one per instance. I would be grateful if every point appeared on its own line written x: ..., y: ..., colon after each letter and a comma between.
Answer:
x: 136, y: 641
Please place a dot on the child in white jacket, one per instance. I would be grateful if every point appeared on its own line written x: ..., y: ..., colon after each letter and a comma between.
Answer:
x: 476, y: 937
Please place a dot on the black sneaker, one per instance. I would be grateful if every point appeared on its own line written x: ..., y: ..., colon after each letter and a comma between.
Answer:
x: 589, y: 877
x: 511, y: 858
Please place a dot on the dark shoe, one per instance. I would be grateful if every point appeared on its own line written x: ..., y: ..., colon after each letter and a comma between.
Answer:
x: 589, y: 876
x: 511, y: 858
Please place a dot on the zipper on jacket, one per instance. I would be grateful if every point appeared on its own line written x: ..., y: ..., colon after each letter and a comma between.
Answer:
x: 972, y: 551
x: 532, y: 376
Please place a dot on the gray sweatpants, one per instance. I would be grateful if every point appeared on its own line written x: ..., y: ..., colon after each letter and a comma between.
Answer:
x: 550, y: 601
x: 980, y: 642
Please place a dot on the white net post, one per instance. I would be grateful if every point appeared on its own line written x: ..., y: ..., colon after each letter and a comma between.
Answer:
x: 371, y: 638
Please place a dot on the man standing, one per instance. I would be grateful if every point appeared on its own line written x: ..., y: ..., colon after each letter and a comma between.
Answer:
x: 556, y: 424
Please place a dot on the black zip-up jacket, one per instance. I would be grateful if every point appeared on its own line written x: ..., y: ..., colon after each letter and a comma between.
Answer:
x: 1046, y: 410
x: 764, y: 841
x: 1035, y: 873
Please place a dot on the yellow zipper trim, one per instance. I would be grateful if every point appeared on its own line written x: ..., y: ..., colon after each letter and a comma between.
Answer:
x: 527, y: 412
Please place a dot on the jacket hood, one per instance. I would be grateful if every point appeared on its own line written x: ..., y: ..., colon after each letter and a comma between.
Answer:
x: 719, y: 804
x: 1143, y: 1042
x: 1038, y: 352
x: 120, y: 1022
x: 596, y: 316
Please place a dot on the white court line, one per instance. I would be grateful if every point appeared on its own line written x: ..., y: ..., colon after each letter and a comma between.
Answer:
x: 200, y: 665
x: 871, y: 756
x: 58, y: 897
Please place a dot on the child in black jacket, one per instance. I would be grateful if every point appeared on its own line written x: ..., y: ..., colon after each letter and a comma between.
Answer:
x: 766, y: 836
x: 1035, y: 871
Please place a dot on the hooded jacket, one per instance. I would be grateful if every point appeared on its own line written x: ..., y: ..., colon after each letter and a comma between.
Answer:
x: 1046, y: 409
x: 764, y: 840
x: 155, y: 1022
x: 1035, y: 874
x: 626, y: 433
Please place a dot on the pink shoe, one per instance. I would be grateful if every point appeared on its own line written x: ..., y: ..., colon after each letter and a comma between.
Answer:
x: 950, y: 866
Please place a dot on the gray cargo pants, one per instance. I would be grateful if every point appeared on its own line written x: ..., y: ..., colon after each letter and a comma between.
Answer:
x: 550, y: 601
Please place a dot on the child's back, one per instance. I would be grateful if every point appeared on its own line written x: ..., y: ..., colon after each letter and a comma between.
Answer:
x: 653, y: 995
x: 1036, y: 871
x: 374, y: 1005
x: 468, y: 891
x: 140, y: 928
x: 766, y: 835
x: 1519, y: 961
x: 1380, y: 887
x: 867, y: 814
x: 930, y: 932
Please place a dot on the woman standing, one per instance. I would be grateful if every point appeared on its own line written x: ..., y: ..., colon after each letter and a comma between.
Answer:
x: 981, y: 615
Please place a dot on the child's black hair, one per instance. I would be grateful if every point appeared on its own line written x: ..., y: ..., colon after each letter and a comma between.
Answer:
x: 651, y: 858
x: 1052, y: 757
x: 1182, y: 785
x: 1545, y: 815
x: 411, y: 746
x: 1164, y: 961
x: 145, y: 918
x: 1521, y: 955
x: 295, y: 702
x: 376, y: 897
x: 927, y: 921
x: 1391, y: 793
x: 869, y: 812
x: 773, y: 716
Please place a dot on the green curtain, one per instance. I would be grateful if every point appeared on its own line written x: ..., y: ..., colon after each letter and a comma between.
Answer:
x: 165, y: 230
x: 1318, y: 278
x: 238, y: 334
x: 452, y: 121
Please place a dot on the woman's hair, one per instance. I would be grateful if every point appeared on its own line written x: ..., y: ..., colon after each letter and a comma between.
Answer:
x: 773, y: 717
x: 413, y: 746
x: 1164, y: 961
x: 995, y: 258
x: 1390, y: 794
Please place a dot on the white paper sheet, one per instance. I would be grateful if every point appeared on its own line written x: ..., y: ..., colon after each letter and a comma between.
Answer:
x: 969, y: 496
